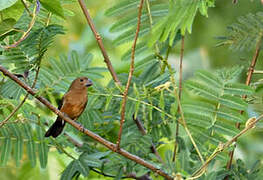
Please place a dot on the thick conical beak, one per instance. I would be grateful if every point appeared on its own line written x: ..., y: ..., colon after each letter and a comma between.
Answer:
x: 89, y: 83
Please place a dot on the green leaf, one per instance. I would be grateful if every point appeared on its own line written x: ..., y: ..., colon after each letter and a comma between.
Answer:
x: 6, y: 150
x: 119, y: 175
x: 82, y: 168
x: 70, y: 170
x: 121, y: 7
x: 18, y: 146
x: 233, y: 102
x: 31, y: 147
x: 53, y: 6
x: 238, y: 89
x: 14, y: 11
x: 245, y: 33
x: 231, y: 115
x: 43, y: 154
x: 202, y: 90
x: 18, y: 151
x: 90, y: 160
x: 209, y: 78
x: 7, y: 25
x: 6, y: 3
x: 31, y: 152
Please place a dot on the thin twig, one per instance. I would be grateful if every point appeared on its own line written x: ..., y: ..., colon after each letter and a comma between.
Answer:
x: 30, y: 26
x: 130, y: 75
x: 248, y: 80
x: 22, y: 102
x: 80, y: 128
x: 221, y: 147
x: 99, y: 41
x: 29, y: 13
x: 143, y: 131
x: 181, y: 67
x: 180, y: 94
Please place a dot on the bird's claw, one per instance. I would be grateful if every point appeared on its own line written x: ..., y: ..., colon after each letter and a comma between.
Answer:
x: 81, y: 127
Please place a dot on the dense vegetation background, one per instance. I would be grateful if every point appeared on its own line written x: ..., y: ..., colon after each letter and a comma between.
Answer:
x: 220, y: 40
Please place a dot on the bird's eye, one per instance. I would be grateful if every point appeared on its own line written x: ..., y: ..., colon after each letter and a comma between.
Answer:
x: 81, y: 80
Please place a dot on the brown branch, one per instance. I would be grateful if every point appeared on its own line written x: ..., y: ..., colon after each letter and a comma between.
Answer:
x: 143, y: 131
x: 99, y: 41
x: 130, y: 75
x: 248, y: 80
x: 79, y: 127
x: 179, y: 94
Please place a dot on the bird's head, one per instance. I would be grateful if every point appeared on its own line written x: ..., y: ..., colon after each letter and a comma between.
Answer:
x: 81, y: 83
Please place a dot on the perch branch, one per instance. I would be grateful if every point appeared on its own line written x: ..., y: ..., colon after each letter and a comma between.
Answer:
x: 248, y: 80
x: 79, y: 127
x: 99, y: 41
x: 130, y: 75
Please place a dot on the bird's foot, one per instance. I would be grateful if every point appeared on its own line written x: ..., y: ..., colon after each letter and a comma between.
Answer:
x: 81, y: 128
x: 63, y: 121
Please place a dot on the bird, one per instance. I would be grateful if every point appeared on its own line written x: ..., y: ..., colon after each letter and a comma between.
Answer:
x: 73, y: 104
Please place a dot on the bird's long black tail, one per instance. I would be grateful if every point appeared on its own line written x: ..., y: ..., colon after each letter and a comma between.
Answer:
x: 56, y: 128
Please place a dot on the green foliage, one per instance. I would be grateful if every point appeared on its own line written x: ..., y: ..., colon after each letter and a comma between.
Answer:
x: 30, y: 51
x: 211, y: 102
x: 20, y: 136
x: 180, y: 17
x: 54, y: 6
x: 212, y: 114
x: 126, y: 14
x: 6, y: 4
x: 246, y: 33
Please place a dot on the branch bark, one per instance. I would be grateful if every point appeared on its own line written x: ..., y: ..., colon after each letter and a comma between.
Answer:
x: 130, y: 75
x: 79, y: 127
x: 99, y: 41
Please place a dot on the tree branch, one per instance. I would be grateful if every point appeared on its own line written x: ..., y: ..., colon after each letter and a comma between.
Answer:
x: 79, y: 127
x: 248, y: 80
x: 130, y: 75
x: 99, y: 41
